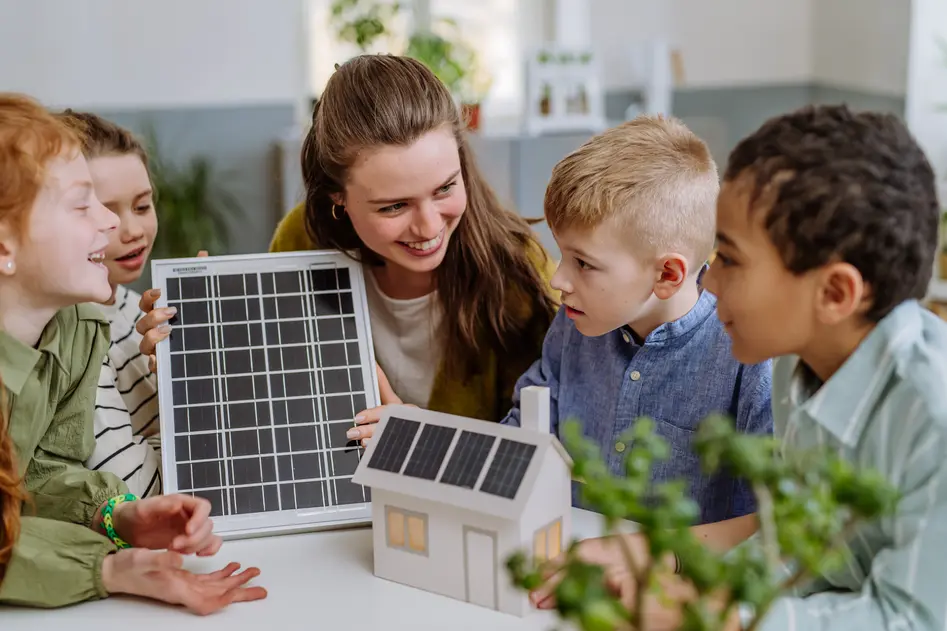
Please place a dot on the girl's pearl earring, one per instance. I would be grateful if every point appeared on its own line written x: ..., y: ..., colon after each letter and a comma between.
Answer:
x: 9, y: 266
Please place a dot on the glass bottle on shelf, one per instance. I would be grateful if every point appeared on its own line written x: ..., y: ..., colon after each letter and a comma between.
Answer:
x: 545, y: 101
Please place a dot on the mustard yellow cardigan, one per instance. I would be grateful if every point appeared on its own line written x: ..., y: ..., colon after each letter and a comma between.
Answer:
x: 487, y: 394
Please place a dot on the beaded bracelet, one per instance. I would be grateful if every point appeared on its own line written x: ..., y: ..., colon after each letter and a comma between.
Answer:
x: 107, y: 518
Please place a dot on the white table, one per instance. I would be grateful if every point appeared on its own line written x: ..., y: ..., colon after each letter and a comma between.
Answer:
x: 319, y: 581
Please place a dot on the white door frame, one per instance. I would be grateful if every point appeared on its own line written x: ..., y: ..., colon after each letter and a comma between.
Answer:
x: 493, y: 569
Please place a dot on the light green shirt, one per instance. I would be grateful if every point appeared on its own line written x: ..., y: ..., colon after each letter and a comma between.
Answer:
x: 51, y: 388
x: 886, y: 409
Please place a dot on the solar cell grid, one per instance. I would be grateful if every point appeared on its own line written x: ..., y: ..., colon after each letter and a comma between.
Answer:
x: 264, y: 375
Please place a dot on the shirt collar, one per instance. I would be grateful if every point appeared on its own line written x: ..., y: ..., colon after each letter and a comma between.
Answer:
x: 17, y: 360
x: 844, y: 403
x: 669, y: 332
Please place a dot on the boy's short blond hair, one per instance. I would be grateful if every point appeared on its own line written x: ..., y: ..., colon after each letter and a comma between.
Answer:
x: 653, y: 176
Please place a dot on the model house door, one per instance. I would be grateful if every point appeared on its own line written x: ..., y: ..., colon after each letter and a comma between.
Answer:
x: 481, y: 567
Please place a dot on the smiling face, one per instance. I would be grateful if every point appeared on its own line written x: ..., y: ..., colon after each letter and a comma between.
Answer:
x: 406, y: 202
x: 123, y: 186
x: 767, y: 310
x: 59, y: 262
x: 604, y: 285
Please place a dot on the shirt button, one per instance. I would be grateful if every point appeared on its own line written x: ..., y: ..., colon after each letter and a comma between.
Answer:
x: 619, y: 447
x: 625, y: 336
x: 635, y: 375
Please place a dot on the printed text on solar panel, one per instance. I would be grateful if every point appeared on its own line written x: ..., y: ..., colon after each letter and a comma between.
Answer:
x: 266, y: 379
x: 507, y: 468
x: 466, y: 461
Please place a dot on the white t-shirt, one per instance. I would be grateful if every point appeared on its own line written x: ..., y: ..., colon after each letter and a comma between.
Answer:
x: 405, y: 341
x: 127, y: 440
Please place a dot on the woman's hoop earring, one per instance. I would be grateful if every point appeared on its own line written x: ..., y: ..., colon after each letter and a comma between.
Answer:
x: 335, y: 216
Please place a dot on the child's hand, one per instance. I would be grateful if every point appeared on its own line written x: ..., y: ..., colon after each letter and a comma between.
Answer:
x: 366, y: 419
x: 158, y: 575
x: 662, y: 614
x: 179, y: 523
x: 602, y: 551
x: 153, y: 325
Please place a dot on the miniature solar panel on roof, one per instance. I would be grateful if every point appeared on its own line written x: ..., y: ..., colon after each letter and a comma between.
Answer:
x: 394, y: 444
x: 268, y: 361
x: 507, y: 468
x: 467, y: 460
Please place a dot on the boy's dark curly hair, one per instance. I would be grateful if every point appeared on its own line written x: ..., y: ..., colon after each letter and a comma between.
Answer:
x: 859, y: 189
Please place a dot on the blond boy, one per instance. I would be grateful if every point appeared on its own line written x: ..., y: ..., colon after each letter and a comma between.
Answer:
x: 633, y: 212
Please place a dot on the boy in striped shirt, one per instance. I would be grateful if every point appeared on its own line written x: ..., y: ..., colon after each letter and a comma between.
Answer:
x: 827, y: 230
x: 126, y: 408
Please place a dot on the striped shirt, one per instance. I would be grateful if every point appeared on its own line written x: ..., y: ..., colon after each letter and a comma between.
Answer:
x: 886, y: 409
x: 126, y: 405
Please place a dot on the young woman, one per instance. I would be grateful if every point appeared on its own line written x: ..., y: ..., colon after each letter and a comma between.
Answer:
x: 457, y: 285
x: 73, y: 546
x: 126, y: 408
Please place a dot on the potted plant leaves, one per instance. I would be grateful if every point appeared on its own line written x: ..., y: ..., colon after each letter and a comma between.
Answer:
x: 815, y: 498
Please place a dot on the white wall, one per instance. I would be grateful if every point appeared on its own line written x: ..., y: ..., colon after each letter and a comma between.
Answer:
x: 723, y: 43
x: 861, y: 44
x: 743, y: 42
x: 927, y: 83
x: 857, y: 44
x: 118, y: 54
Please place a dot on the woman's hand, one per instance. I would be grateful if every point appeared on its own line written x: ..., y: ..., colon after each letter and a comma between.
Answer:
x: 179, y: 523
x: 365, y: 420
x: 159, y: 576
x: 153, y: 326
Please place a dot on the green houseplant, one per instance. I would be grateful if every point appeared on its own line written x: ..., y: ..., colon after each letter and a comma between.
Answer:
x: 194, y: 209
x: 441, y: 48
x: 816, y: 500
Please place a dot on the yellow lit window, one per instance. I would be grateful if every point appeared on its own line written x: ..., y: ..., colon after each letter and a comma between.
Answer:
x: 406, y: 530
x: 555, y: 539
x: 417, y: 537
x: 539, y: 545
x: 395, y: 529
x: 547, y: 542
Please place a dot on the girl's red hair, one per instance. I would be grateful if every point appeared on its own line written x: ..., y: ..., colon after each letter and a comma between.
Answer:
x: 12, y: 494
x: 30, y: 136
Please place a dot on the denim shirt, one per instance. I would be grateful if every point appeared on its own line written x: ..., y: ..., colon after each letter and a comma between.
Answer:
x: 682, y: 373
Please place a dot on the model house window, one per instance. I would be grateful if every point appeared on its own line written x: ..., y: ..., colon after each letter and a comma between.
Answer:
x: 406, y: 530
x: 547, y: 542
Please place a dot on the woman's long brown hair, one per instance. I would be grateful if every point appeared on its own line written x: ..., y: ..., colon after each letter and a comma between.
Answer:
x: 376, y: 100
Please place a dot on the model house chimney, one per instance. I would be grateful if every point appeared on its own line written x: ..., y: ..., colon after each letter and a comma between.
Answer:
x: 534, y: 409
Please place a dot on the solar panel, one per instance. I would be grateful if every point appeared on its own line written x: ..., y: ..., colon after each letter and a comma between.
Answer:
x: 394, y: 444
x: 429, y: 453
x: 269, y: 359
x: 466, y: 461
x: 508, y: 468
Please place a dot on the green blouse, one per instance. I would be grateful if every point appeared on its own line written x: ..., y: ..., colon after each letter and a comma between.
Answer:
x: 51, y: 389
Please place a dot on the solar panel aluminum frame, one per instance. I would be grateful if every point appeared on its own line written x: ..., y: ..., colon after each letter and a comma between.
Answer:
x: 284, y: 521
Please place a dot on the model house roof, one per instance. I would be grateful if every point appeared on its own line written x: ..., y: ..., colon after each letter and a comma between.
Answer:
x: 472, y: 464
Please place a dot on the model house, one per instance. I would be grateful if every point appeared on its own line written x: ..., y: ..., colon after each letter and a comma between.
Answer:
x: 452, y: 498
